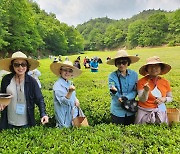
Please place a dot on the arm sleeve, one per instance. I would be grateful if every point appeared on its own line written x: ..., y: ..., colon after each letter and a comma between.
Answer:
x: 111, y: 82
x: 60, y: 97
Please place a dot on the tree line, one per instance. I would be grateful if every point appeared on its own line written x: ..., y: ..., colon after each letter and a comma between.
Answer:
x: 24, y: 26
x: 148, y: 28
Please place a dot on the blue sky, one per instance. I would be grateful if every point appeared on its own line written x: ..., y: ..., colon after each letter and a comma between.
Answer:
x: 73, y: 12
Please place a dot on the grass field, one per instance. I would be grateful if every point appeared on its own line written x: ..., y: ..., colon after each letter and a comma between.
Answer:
x: 101, y: 136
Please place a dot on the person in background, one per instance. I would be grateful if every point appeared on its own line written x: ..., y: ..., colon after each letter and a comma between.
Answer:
x: 55, y: 60
x: 36, y: 74
x: 94, y: 65
x: 123, y: 79
x: 77, y: 64
x: 25, y: 90
x: 66, y: 58
x: 65, y: 100
x: 153, y: 92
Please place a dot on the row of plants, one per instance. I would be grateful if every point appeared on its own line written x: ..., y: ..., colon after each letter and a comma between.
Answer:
x: 101, y: 136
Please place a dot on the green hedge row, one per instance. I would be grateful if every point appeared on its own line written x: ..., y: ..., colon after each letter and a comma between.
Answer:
x: 101, y: 138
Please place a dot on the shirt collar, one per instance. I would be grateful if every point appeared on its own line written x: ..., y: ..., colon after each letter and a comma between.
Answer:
x: 128, y: 72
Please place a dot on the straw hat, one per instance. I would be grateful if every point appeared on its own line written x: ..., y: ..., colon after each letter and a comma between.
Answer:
x: 55, y: 68
x: 122, y: 53
x: 5, y: 63
x: 154, y: 60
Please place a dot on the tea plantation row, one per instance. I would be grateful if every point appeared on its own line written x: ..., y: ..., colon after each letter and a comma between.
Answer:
x: 101, y: 136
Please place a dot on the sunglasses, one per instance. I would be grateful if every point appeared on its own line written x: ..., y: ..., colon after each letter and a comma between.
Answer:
x: 67, y: 70
x: 124, y: 62
x: 19, y: 64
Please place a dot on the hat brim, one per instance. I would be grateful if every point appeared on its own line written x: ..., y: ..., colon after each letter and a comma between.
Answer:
x: 5, y: 63
x: 133, y: 59
x: 165, y: 70
x: 55, y: 68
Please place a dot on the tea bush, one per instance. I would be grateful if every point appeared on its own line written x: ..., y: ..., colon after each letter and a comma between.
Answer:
x: 93, y: 94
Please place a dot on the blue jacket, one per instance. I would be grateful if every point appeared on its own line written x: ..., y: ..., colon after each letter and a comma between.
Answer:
x: 63, y: 107
x: 128, y: 88
x: 94, y: 66
x: 33, y: 96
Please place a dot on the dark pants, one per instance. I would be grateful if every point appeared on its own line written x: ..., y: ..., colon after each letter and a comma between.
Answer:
x: 127, y: 120
x: 17, y: 127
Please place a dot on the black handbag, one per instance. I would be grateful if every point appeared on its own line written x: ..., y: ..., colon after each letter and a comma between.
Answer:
x: 129, y: 105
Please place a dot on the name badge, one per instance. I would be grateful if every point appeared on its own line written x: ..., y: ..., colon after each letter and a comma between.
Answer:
x: 20, y: 108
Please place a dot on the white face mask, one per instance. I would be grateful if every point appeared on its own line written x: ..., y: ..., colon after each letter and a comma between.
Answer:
x: 156, y: 92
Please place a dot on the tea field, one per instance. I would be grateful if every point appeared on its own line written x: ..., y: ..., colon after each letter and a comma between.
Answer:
x: 101, y: 136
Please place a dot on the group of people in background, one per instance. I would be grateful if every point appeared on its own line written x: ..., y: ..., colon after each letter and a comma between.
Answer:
x: 152, y: 90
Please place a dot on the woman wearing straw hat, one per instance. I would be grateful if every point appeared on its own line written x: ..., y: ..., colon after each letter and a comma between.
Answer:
x: 122, y: 85
x: 25, y: 90
x: 153, y: 92
x: 65, y: 100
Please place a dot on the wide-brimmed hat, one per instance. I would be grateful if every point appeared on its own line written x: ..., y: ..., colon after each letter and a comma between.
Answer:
x: 154, y: 60
x: 120, y: 54
x: 55, y: 68
x: 5, y: 63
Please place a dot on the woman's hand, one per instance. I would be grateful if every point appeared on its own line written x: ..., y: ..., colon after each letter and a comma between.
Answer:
x: 71, y: 88
x: 146, y: 87
x: 120, y: 100
x: 160, y: 100
x: 44, y: 120
x: 2, y: 107
x: 77, y: 103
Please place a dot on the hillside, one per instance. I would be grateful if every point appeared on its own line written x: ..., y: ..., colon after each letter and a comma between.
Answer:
x: 148, y: 28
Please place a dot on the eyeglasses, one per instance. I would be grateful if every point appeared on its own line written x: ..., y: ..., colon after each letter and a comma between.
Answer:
x: 124, y: 62
x: 19, y: 64
x: 67, y: 70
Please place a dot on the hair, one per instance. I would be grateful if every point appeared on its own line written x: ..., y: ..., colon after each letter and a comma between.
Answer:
x: 123, y: 58
x: 160, y: 64
x: 11, y: 68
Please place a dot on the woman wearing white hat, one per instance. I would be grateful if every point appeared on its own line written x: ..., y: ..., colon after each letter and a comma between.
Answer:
x: 122, y: 85
x: 65, y: 100
x: 25, y: 90
x: 153, y: 92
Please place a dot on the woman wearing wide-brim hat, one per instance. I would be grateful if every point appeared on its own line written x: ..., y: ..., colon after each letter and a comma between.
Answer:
x: 65, y: 101
x: 122, y: 85
x: 25, y: 90
x: 153, y: 92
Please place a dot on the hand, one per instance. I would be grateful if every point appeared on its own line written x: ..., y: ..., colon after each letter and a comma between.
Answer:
x: 77, y: 103
x: 113, y: 88
x: 44, y: 120
x: 160, y: 100
x: 146, y: 87
x: 71, y: 88
x: 120, y: 100
x: 2, y: 107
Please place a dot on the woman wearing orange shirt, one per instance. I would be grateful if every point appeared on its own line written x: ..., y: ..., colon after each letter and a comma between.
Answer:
x: 153, y: 92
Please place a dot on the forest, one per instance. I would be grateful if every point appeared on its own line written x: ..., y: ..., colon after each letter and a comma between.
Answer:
x: 26, y: 27
x: 149, y: 28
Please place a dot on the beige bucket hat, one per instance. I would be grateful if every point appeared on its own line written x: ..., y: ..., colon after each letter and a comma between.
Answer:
x: 154, y: 60
x: 55, y: 68
x: 5, y: 63
x: 122, y: 53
